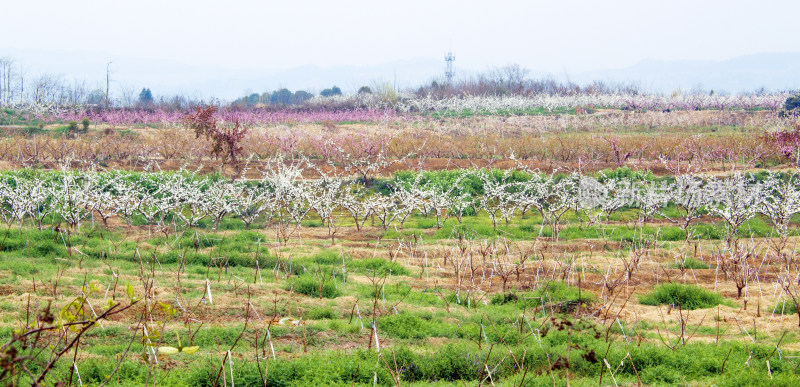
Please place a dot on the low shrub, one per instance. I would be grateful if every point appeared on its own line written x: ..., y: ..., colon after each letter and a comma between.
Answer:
x: 310, y: 286
x: 403, y: 325
x: 320, y: 313
x: 552, y: 292
x: 792, y: 103
x: 784, y: 308
x: 327, y: 257
x: 691, y: 263
x: 379, y: 266
x: 449, y: 363
x: 686, y: 296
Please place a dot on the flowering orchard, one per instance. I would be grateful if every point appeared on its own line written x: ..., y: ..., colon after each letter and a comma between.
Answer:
x: 375, y: 108
x: 512, y: 241
x: 281, y: 195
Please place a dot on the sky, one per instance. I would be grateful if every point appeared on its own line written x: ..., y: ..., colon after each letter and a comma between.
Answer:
x: 544, y: 36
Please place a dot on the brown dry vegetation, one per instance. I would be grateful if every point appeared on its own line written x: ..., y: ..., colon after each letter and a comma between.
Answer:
x: 643, y: 140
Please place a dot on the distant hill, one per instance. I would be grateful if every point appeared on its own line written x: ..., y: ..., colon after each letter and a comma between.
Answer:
x: 168, y: 77
x: 403, y: 74
x: 774, y: 72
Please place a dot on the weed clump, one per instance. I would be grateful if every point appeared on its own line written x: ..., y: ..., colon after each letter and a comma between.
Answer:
x: 379, y: 266
x: 327, y: 257
x: 313, y: 287
x: 404, y: 326
x: 788, y: 307
x: 320, y: 313
x: 551, y: 293
x: 686, y: 296
x: 691, y: 263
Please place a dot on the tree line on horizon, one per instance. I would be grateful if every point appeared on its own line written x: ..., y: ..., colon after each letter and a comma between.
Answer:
x: 510, y: 80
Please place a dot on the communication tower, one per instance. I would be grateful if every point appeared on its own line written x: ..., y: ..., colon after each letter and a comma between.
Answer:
x: 449, y: 58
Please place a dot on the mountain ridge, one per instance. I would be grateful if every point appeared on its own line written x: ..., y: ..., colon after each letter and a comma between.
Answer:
x: 772, y: 71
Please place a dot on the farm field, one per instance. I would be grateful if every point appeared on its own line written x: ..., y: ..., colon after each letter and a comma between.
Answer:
x: 518, y: 242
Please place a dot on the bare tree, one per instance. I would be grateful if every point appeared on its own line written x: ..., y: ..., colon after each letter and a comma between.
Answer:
x: 21, y: 82
x: 6, y: 92
x: 47, y: 88
x: 128, y: 98
x: 76, y: 94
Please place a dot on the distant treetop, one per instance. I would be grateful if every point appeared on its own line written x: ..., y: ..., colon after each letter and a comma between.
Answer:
x: 333, y: 91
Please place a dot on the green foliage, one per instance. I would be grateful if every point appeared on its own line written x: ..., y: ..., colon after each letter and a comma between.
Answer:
x: 328, y: 257
x: 536, y: 111
x: 378, y: 266
x: 320, y: 313
x: 72, y: 127
x: 788, y: 307
x: 315, y: 369
x: 33, y: 130
x: 457, y: 363
x: 551, y: 293
x: 690, y: 263
x: 145, y: 97
x: 331, y: 92
x: 792, y: 103
x: 450, y: 363
x: 466, y: 181
x: 672, y: 234
x: 18, y: 268
x: 281, y: 97
x: 686, y: 296
x: 425, y: 223
x: 625, y: 173
x: 314, y: 287
x: 85, y: 124
x: 415, y: 325
x: 301, y: 96
x: 660, y: 374
x: 403, y: 325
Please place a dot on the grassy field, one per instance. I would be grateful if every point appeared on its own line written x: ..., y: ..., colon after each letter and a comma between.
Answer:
x: 461, y: 304
x: 620, y: 296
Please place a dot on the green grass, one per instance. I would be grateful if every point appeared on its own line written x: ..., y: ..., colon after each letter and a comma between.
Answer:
x: 684, y: 296
x: 788, y: 308
x: 551, y: 293
x: 432, y: 340
x: 328, y: 257
x: 408, y: 325
x: 537, y: 111
x: 320, y: 313
x: 690, y: 263
x: 378, y: 266
x: 462, y: 362
x: 310, y: 286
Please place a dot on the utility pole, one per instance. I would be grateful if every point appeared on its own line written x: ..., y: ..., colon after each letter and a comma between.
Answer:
x: 21, y: 83
x: 108, y: 80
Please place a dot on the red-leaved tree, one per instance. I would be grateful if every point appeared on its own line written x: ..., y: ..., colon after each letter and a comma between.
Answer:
x: 226, y: 138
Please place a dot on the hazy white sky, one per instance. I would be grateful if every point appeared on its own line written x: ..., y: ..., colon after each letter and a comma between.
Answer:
x: 549, y: 36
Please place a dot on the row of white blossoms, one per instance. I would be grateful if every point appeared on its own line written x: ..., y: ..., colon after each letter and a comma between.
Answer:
x: 283, y: 198
x: 407, y: 102
x: 411, y: 103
